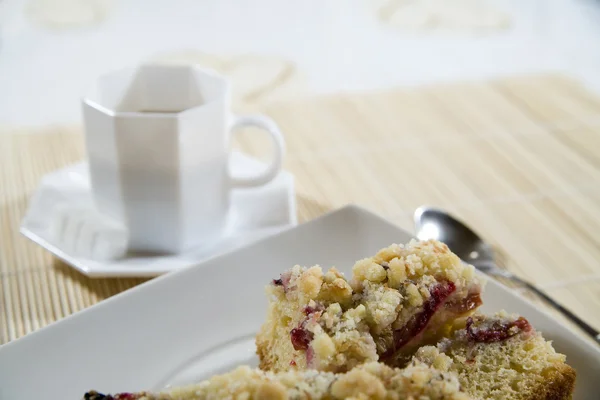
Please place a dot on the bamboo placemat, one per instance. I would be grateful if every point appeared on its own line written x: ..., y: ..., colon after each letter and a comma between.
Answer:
x: 518, y: 159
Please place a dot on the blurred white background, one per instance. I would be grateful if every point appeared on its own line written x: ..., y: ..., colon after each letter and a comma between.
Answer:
x: 337, y: 44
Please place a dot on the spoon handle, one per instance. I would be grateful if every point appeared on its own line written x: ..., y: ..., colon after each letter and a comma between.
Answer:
x: 590, y: 330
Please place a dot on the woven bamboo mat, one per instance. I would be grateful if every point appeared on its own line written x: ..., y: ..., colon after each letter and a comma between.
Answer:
x: 518, y: 158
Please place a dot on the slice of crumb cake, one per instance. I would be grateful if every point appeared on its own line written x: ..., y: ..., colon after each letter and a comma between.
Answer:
x: 313, y: 322
x: 403, y: 297
x: 502, y: 357
x: 413, y: 294
x: 368, y: 381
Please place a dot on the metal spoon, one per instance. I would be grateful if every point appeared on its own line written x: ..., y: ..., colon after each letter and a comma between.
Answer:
x: 432, y: 223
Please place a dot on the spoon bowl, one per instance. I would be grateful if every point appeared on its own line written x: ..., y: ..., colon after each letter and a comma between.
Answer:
x: 433, y: 223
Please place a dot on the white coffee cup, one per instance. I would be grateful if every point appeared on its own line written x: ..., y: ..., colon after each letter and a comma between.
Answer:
x: 158, y: 143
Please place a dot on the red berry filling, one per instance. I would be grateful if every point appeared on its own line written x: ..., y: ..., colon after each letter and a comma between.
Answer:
x: 471, y: 302
x: 497, y: 331
x: 416, y: 325
x: 310, y: 357
x: 308, y: 310
x: 93, y: 395
x: 300, y: 338
x: 284, y: 280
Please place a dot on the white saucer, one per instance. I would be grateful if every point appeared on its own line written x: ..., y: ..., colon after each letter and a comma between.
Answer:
x: 255, y: 213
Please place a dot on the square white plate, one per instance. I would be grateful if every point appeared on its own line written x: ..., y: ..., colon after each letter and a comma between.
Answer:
x: 201, y: 320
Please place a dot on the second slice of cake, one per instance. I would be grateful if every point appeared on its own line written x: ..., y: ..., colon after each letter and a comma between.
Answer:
x: 403, y: 297
x: 502, y: 357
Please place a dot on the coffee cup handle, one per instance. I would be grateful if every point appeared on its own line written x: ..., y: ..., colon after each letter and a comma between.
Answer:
x: 274, y: 167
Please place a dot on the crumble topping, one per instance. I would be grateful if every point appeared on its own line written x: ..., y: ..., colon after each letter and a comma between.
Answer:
x: 403, y: 297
